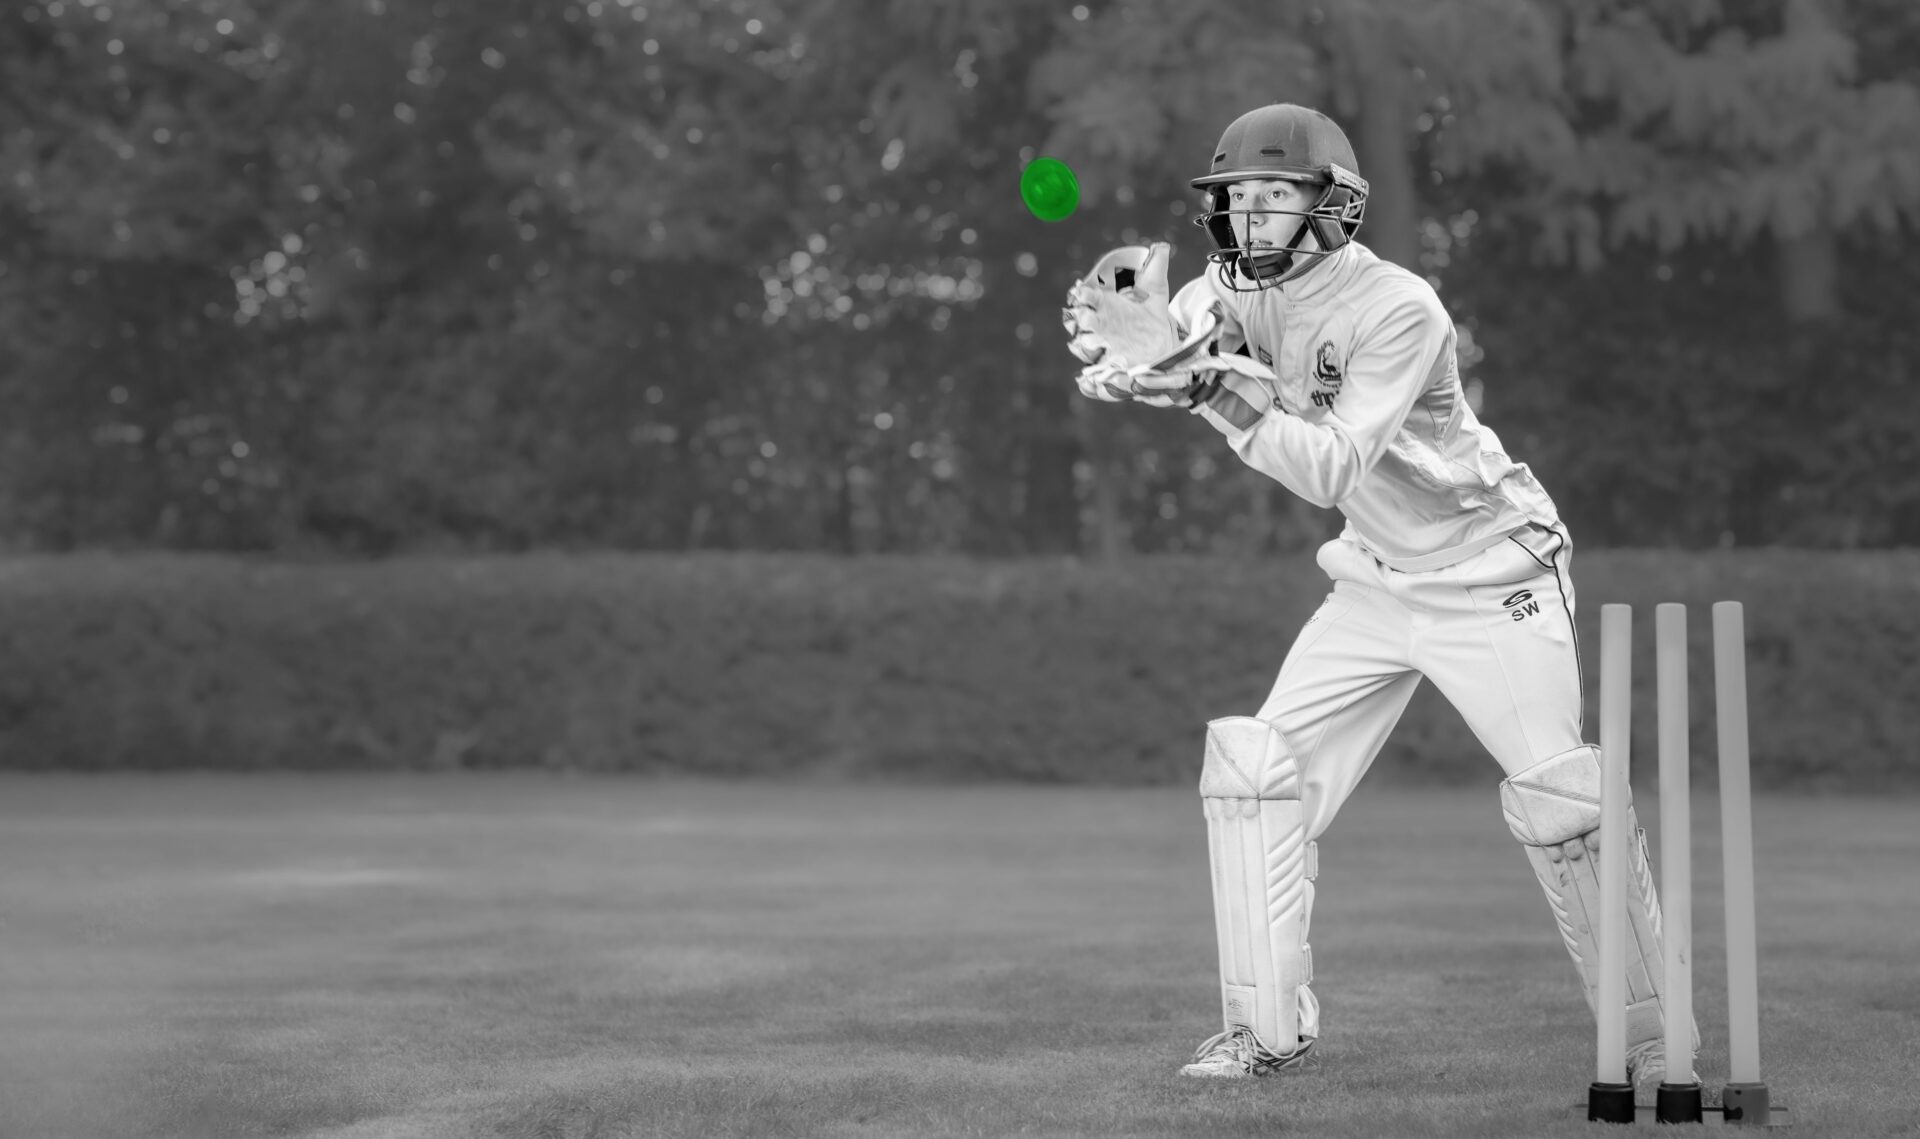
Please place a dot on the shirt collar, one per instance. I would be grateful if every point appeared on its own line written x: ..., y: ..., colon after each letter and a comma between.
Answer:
x: 1324, y: 279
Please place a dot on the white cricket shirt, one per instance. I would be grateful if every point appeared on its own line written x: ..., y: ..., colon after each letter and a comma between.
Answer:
x: 1368, y: 414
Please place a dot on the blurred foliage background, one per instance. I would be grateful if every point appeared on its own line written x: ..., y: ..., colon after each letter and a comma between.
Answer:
x: 326, y: 277
x: 674, y: 300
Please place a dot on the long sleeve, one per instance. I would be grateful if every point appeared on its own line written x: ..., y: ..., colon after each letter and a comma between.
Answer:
x: 1395, y: 357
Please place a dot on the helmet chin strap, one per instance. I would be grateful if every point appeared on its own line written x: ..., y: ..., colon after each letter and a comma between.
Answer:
x: 1259, y: 266
x: 1270, y: 269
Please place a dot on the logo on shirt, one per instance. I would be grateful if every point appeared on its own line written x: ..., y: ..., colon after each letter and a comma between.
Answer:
x: 1326, y: 369
x: 1521, y: 605
x: 1326, y: 366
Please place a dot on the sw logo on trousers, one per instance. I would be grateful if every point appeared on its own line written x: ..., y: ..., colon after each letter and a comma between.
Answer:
x: 1521, y: 605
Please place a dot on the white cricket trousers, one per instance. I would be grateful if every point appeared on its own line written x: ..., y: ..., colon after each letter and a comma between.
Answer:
x: 1493, y: 632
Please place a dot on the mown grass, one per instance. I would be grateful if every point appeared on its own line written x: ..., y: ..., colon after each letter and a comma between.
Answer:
x: 527, y: 956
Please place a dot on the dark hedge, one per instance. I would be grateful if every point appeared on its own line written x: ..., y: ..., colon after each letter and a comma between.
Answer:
x: 922, y: 668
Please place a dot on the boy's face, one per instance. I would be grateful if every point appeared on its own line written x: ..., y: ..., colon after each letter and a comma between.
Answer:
x: 1271, y: 230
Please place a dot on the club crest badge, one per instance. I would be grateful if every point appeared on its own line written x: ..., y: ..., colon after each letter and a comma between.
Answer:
x: 1326, y: 370
x: 1326, y: 367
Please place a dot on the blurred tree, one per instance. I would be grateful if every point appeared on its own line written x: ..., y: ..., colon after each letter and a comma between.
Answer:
x: 1693, y: 123
x: 1705, y: 147
x: 920, y: 117
x: 129, y: 169
x: 369, y: 275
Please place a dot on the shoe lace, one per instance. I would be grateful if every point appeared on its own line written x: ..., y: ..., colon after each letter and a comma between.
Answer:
x: 1639, y: 1054
x: 1234, y: 1044
x: 1237, y: 1044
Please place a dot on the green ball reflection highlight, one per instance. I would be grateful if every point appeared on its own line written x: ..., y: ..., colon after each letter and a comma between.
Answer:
x: 1049, y: 188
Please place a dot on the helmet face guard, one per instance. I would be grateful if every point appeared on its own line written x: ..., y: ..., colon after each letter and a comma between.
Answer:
x: 1332, y: 220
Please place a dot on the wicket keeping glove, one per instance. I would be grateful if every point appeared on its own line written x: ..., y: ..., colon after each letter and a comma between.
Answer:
x: 1120, y: 323
x: 1239, y: 388
x: 1113, y: 384
x: 1118, y: 312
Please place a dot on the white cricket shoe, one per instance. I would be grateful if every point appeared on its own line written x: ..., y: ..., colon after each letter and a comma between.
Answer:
x: 1647, y: 1070
x: 1238, y: 1054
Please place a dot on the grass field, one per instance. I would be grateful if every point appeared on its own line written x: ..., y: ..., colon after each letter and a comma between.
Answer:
x: 523, y: 956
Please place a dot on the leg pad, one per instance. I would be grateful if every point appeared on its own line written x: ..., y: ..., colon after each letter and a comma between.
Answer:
x: 1553, y: 808
x: 1263, y: 868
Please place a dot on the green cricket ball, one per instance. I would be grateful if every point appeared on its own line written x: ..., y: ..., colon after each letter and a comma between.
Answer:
x: 1049, y: 188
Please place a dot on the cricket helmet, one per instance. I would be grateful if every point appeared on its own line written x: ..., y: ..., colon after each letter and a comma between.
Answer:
x: 1285, y: 142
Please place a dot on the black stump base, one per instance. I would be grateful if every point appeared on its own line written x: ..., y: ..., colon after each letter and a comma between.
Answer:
x: 1677, y: 1103
x: 1609, y: 1103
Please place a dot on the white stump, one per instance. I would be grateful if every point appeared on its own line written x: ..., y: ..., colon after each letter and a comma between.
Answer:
x: 1676, y: 870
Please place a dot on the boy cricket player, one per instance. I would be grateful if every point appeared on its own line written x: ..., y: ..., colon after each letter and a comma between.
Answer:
x: 1333, y: 372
